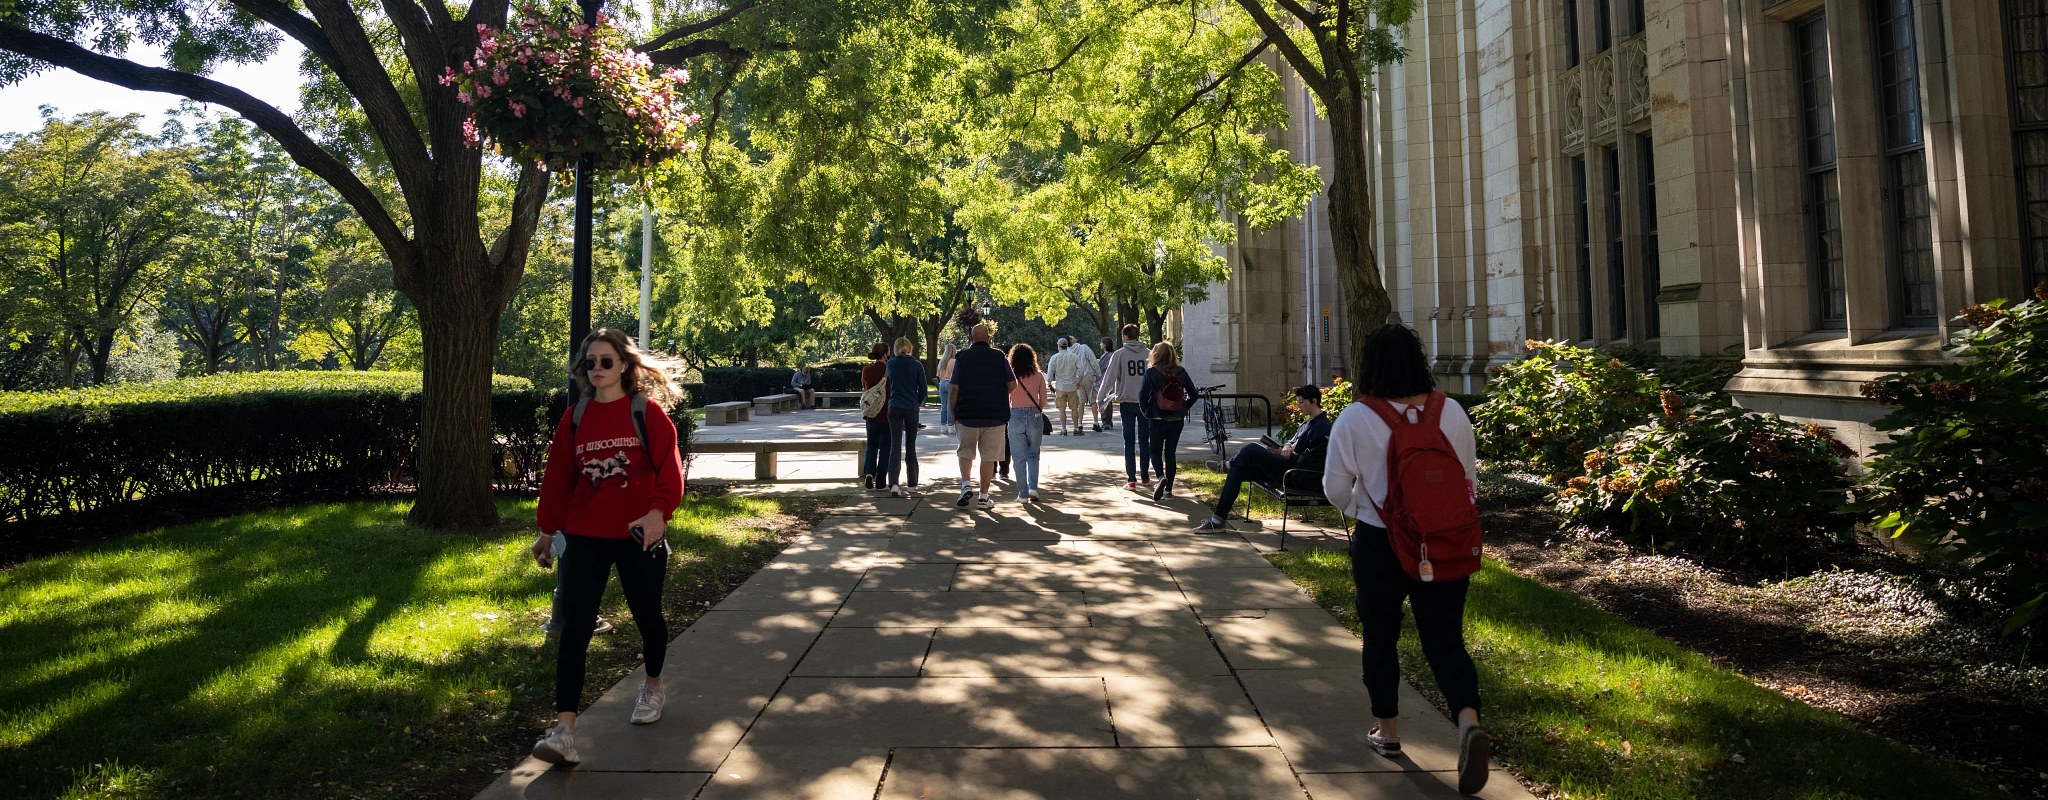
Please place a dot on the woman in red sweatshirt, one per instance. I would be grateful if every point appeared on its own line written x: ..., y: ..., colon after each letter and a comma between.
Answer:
x: 608, y: 476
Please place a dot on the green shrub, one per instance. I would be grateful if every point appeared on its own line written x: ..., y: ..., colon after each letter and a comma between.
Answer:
x: 1967, y: 465
x: 1335, y: 399
x: 1690, y: 376
x: 1719, y: 482
x: 92, y: 448
x: 1546, y: 411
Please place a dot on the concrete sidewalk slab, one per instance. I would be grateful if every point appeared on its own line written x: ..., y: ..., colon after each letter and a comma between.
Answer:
x: 937, y: 712
x: 1207, y: 711
x: 798, y: 773
x: 534, y: 781
x: 1072, y: 652
x: 788, y: 586
x: 1282, y: 638
x: 844, y: 652
x: 963, y: 610
x: 1252, y: 773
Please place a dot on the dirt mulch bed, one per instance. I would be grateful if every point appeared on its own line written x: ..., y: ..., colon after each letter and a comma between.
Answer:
x: 1900, y: 650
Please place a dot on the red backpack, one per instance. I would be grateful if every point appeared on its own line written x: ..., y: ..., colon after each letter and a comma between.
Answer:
x: 1172, y: 397
x: 1430, y: 518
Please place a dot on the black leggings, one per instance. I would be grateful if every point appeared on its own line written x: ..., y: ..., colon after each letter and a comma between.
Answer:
x: 1439, y: 623
x: 1165, y: 445
x: 585, y: 566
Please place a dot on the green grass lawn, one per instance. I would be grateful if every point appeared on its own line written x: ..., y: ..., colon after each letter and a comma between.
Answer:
x: 319, y: 651
x: 1584, y: 702
x: 1251, y: 502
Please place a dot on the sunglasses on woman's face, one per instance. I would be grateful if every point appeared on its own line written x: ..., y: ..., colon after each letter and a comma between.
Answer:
x: 605, y: 362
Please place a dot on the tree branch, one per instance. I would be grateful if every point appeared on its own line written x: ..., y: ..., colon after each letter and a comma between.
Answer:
x: 1048, y: 71
x: 301, y: 147
x: 306, y: 31
x: 529, y: 195
x: 724, y: 50
x: 1307, y: 69
x: 371, y: 85
x: 1139, y: 152
x: 700, y: 26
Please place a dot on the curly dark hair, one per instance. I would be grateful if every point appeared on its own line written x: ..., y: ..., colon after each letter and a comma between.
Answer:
x: 1392, y: 364
x: 1023, y: 360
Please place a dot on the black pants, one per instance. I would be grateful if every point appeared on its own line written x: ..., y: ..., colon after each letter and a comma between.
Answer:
x: 1165, y: 443
x: 1439, y: 623
x: 902, y: 449
x: 874, y: 457
x: 585, y: 566
x: 1137, y: 442
x: 1252, y: 463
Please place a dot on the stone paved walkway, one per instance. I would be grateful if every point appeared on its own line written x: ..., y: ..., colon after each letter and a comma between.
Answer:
x: 1087, y: 647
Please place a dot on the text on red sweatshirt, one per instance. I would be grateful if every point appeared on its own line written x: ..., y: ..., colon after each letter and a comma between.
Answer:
x: 600, y: 483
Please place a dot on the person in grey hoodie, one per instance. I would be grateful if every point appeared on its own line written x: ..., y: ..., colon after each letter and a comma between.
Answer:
x: 1124, y: 378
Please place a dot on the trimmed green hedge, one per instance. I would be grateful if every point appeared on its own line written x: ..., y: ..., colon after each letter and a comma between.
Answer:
x: 86, y: 449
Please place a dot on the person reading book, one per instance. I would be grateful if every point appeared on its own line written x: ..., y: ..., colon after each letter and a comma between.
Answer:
x: 1268, y: 461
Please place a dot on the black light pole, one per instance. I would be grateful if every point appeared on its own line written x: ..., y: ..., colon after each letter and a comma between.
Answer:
x: 579, y: 259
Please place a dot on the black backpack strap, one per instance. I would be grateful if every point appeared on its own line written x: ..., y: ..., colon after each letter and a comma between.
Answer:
x: 640, y: 426
x: 576, y: 416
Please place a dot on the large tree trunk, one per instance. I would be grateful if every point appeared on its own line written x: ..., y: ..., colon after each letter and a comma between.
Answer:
x: 459, y: 333
x: 1366, y: 305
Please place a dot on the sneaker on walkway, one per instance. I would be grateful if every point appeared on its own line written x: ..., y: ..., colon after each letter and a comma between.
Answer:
x: 1130, y: 486
x: 1213, y: 524
x: 1144, y: 481
x: 898, y: 491
x: 1098, y: 427
x: 966, y: 496
x: 1217, y: 466
x: 1161, y: 492
x: 1034, y: 496
x: 1388, y: 746
x: 558, y: 747
x: 603, y: 626
x: 648, y: 708
x: 1475, y: 749
x: 984, y: 502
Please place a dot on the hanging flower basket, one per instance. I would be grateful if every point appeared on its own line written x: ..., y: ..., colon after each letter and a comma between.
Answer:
x: 548, y: 89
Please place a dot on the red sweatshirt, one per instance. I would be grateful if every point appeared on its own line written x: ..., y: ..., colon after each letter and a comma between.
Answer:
x: 597, y: 485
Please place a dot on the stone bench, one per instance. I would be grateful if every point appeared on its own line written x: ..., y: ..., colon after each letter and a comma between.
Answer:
x: 825, y: 398
x: 726, y: 413
x: 775, y: 403
x: 765, y: 450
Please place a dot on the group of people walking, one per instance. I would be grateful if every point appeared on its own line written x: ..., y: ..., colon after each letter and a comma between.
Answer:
x: 998, y: 404
x: 1390, y: 461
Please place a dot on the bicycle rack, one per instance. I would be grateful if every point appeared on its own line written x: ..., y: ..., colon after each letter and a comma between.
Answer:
x: 1259, y: 397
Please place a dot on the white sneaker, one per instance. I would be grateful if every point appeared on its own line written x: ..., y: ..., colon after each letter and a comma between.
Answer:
x: 648, y: 708
x: 1034, y: 496
x: 984, y: 502
x: 558, y: 747
x: 1212, y: 525
x: 898, y: 491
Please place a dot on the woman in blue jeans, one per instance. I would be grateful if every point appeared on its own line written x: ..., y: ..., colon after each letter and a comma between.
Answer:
x: 1027, y: 411
x: 1166, y: 422
x: 946, y: 390
x: 876, y: 452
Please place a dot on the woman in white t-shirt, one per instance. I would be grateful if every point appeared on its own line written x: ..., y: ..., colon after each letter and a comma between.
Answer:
x: 1392, y: 366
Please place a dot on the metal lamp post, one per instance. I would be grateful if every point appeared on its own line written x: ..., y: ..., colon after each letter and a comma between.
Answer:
x: 579, y: 259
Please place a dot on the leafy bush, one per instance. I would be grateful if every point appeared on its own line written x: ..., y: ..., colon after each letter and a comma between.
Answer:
x: 1690, y: 376
x: 729, y: 384
x: 1335, y: 398
x: 1967, y: 464
x: 1720, y: 482
x: 1548, y: 410
x: 79, y: 450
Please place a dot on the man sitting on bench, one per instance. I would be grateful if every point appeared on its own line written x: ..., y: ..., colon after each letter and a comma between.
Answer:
x: 1262, y: 463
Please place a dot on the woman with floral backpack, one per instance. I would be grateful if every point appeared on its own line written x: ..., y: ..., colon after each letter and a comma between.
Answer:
x: 1402, y: 461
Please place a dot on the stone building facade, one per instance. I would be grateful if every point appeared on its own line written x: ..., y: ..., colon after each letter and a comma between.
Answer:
x: 1815, y: 187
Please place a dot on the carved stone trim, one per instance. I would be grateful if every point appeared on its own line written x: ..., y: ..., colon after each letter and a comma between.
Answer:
x: 1635, y: 79
x: 1574, y: 108
x: 1599, y: 82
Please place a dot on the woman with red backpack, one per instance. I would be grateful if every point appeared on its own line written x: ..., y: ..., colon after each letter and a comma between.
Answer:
x: 1164, y: 398
x: 1403, y: 462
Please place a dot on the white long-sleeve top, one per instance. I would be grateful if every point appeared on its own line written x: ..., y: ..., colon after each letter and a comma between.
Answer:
x: 1355, y: 476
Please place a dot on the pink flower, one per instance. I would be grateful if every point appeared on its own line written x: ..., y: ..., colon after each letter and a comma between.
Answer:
x: 483, y: 90
x: 482, y: 28
x: 479, y: 54
x: 630, y: 112
x: 518, y: 109
x: 462, y: 97
x: 576, y: 104
x: 468, y: 67
x: 499, y: 78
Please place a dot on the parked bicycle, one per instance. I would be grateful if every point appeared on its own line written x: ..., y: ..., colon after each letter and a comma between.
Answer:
x: 1214, y: 428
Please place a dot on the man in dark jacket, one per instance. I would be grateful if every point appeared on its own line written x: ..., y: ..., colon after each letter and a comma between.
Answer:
x: 982, y: 381
x: 1305, y: 451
